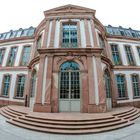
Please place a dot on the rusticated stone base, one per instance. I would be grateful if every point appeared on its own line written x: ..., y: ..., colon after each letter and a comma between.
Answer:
x: 134, y: 103
x: 42, y: 108
x: 97, y: 108
x: 7, y: 102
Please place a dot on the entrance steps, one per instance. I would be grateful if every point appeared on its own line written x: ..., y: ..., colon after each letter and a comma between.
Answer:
x: 70, y: 123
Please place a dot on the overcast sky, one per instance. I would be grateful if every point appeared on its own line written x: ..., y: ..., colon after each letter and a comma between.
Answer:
x: 15, y: 14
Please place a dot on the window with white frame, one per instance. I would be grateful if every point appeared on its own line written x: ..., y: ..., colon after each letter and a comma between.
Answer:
x: 6, y: 85
x: 26, y: 55
x: 129, y: 55
x: 69, y: 37
x: 115, y: 54
x: 135, y: 85
x: 12, y: 56
x: 2, y: 52
x: 121, y: 84
x: 20, y: 85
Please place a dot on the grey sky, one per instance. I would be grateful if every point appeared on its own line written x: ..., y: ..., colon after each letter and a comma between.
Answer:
x: 15, y: 14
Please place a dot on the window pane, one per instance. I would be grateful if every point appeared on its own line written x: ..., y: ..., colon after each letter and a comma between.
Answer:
x: 129, y: 55
x: 69, y: 39
x: 6, y: 85
x: 115, y: 54
x: 20, y: 86
x: 26, y: 55
x: 12, y: 56
x: 2, y: 51
x: 121, y: 86
x: 101, y: 41
x: 138, y: 49
x: 135, y: 84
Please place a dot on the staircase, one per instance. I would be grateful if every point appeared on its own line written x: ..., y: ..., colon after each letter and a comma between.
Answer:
x: 66, y: 124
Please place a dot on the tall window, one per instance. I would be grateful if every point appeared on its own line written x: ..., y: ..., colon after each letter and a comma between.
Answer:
x: 129, y: 55
x: 107, y: 84
x: 33, y: 84
x: 2, y: 51
x: 115, y: 54
x: 26, y: 55
x: 6, y: 85
x: 39, y: 40
x: 69, y: 39
x: 138, y: 49
x: 12, y: 56
x: 101, y: 41
x: 135, y: 84
x: 38, y: 44
x: 121, y: 86
x: 20, y: 85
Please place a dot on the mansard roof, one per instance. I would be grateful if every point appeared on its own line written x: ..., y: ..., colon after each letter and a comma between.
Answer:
x: 120, y: 31
x: 110, y: 30
x: 28, y: 32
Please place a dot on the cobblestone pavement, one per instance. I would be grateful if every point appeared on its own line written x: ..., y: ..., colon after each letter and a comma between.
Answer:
x: 10, y: 132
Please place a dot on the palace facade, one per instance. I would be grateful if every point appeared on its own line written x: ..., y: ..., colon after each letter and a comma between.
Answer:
x: 70, y: 62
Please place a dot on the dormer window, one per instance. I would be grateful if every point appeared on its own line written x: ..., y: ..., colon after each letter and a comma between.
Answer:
x: 69, y: 36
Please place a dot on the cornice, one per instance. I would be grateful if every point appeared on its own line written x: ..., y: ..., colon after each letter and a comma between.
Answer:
x: 70, y: 50
x: 16, y: 39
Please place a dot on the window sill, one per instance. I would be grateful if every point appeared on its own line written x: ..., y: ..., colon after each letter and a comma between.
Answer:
x: 20, y: 98
x: 123, y: 98
x: 4, y: 96
x: 136, y: 97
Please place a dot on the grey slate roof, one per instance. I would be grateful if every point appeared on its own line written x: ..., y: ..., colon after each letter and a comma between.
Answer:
x: 29, y: 32
x: 110, y: 30
x: 120, y: 31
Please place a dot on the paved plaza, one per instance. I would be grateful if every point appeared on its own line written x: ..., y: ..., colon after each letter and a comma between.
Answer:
x: 10, y: 132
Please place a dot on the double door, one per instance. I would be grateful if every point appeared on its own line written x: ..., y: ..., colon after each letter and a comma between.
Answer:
x: 69, y: 91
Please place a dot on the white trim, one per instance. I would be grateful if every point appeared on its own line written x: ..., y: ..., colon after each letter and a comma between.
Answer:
x: 44, y: 80
x: 95, y: 81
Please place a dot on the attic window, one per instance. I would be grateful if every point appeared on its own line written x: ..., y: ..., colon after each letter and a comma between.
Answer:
x: 122, y: 33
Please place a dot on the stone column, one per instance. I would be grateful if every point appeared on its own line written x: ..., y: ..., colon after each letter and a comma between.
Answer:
x: 46, y: 31
x: 51, y: 45
x: 88, y: 43
x: 48, y: 90
x: 91, y: 88
x: 28, y: 88
x: 114, y: 94
x: 94, y: 33
x: 38, y: 100
x: 101, y: 87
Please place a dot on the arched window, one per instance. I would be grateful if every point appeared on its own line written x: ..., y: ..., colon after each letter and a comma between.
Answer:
x: 70, y: 65
x: 69, y: 37
x: 107, y: 84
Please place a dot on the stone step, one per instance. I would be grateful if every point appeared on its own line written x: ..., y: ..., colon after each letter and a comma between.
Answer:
x: 131, y: 115
x: 69, y: 123
x: 65, y: 119
x: 8, y: 113
x: 5, y: 115
x: 134, y: 117
x: 16, y: 111
x: 127, y: 113
x: 70, y: 127
x: 13, y: 112
x: 60, y: 131
x: 123, y: 112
